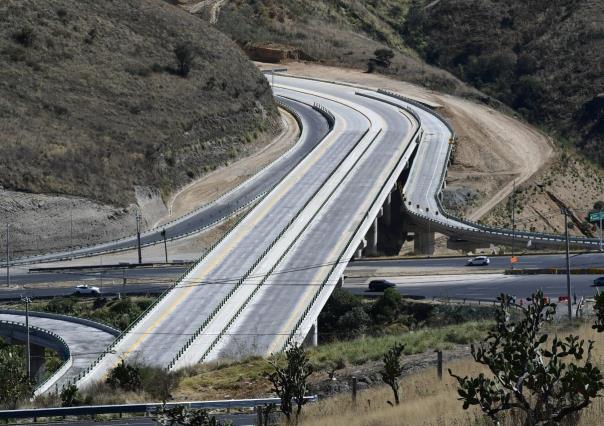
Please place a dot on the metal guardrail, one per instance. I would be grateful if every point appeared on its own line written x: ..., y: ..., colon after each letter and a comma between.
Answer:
x: 266, y: 251
x: 331, y: 119
x: 35, y: 413
x: 89, y: 323
x: 46, y: 334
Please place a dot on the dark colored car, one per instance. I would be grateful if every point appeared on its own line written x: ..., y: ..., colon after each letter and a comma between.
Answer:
x: 599, y: 282
x: 380, y: 285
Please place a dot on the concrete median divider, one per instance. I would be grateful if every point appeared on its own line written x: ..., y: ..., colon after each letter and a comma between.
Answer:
x: 555, y: 271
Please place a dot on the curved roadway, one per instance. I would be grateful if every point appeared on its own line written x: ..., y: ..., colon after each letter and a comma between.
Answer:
x: 314, y: 129
x: 86, y: 341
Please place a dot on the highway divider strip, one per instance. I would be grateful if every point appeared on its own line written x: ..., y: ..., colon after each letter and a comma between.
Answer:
x: 199, y: 331
x: 291, y: 245
x: 350, y: 246
x: 554, y: 271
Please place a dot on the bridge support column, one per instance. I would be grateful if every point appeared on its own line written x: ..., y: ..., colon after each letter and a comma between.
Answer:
x: 37, y: 361
x: 359, y: 253
x: 387, y: 211
x: 340, y: 283
x: 315, y: 333
x: 423, y: 243
x: 372, y: 239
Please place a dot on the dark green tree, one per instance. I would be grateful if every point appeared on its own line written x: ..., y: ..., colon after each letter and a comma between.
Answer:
x: 289, y: 382
x: 124, y: 376
x: 14, y: 384
x: 544, y: 381
x: 70, y: 397
x: 392, y: 370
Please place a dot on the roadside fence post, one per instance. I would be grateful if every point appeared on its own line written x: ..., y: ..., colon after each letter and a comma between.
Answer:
x: 439, y: 364
x: 354, y: 390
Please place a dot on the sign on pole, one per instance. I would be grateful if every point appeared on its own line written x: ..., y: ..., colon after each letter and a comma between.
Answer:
x: 596, y: 216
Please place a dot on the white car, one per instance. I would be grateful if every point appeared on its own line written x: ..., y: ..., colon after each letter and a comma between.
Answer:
x: 479, y: 261
x: 86, y: 289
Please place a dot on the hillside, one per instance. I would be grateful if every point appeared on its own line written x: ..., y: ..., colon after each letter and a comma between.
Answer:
x: 94, y: 105
x: 545, y: 59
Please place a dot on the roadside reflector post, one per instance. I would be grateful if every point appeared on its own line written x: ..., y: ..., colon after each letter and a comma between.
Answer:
x: 354, y: 389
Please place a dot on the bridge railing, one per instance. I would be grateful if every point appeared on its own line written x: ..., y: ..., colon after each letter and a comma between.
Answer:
x: 46, y: 334
x: 416, y: 136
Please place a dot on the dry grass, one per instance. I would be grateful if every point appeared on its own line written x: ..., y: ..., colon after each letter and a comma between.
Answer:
x: 427, y: 401
x: 91, y: 104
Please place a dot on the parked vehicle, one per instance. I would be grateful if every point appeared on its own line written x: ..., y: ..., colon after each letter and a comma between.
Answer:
x: 380, y: 285
x: 479, y: 261
x: 599, y: 282
x: 86, y: 289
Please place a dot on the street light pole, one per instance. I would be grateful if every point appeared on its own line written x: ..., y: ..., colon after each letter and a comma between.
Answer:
x: 138, y: 237
x: 7, y: 256
x: 163, y: 234
x: 27, y: 301
x: 568, y: 285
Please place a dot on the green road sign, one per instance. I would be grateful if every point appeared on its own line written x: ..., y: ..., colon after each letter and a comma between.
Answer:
x: 596, y: 216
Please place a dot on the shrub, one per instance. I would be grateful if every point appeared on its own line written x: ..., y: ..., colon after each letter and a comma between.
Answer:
x: 125, y: 377
x: 184, y: 59
x: 25, y: 36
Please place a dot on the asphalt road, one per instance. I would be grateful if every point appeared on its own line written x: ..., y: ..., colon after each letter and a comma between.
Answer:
x: 587, y: 260
x: 481, y: 286
x: 315, y: 128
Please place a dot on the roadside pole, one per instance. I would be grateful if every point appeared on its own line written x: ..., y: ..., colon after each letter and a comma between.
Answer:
x: 163, y: 234
x: 27, y: 301
x: 138, y: 237
x: 513, y: 222
x: 7, y: 256
x: 568, y: 286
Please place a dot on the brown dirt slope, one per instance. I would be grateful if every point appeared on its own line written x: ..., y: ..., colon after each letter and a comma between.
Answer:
x: 91, y: 104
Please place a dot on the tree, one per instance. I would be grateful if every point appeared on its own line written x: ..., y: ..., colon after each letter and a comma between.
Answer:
x: 544, y: 381
x: 599, y: 310
x: 70, y: 397
x: 184, y: 58
x: 181, y: 415
x: 599, y: 205
x: 388, y: 308
x: 289, y: 382
x: 383, y: 57
x: 14, y: 384
x: 393, y: 369
x: 125, y: 377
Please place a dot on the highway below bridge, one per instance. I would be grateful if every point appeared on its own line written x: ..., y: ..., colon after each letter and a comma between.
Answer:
x: 263, y: 285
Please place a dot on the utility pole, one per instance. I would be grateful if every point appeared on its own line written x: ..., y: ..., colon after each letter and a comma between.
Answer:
x: 163, y: 234
x: 513, y: 221
x: 566, y: 212
x: 27, y: 301
x: 71, y: 228
x: 7, y: 256
x: 600, y: 213
x: 138, y: 237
